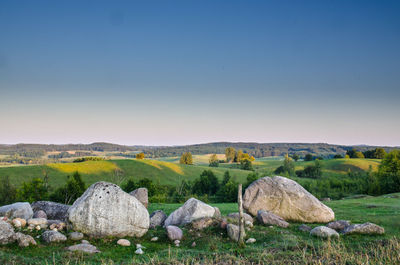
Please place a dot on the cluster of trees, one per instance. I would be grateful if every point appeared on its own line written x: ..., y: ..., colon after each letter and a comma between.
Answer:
x: 140, y: 156
x: 311, y: 171
x: 237, y: 156
x: 89, y: 158
x: 38, y: 189
x: 186, y: 159
x: 377, y: 153
x: 65, y: 154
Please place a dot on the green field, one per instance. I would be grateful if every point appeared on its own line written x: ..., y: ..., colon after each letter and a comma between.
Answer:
x: 274, y: 245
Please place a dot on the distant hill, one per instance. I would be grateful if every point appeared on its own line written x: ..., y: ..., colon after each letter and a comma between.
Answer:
x: 255, y: 149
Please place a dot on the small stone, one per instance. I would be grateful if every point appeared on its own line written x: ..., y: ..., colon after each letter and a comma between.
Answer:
x: 193, y: 244
x: 366, y: 228
x: 250, y: 240
x: 75, y: 236
x: 139, y: 251
x: 140, y: 246
x: 174, y: 233
x: 233, y: 232
x: 338, y: 225
x: 84, y: 247
x: 154, y: 239
x: 85, y: 241
x: 248, y: 224
x: 16, y: 223
x: 177, y: 242
x: 269, y: 218
x: 124, y: 242
x: 21, y: 221
x: 40, y: 214
x: 37, y: 227
x: 24, y: 240
x: 305, y: 228
x: 324, y: 232
x: 53, y: 236
x: 223, y: 224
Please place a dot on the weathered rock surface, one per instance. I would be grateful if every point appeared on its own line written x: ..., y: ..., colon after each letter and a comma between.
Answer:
x: 234, y: 218
x: 75, y: 236
x: 287, y: 199
x: 205, y: 222
x: 19, y: 222
x: 174, y: 233
x: 268, y: 218
x: 38, y: 222
x: 40, y: 214
x: 53, y: 236
x: 338, y: 225
x: 106, y: 210
x: 366, y: 228
x: 142, y: 195
x: 53, y: 210
x: 191, y: 210
x: 124, y: 242
x: 84, y: 247
x: 233, y: 232
x: 17, y: 210
x: 251, y: 240
x: 24, y: 240
x: 60, y: 225
x: 324, y: 232
x: 157, y: 218
x: 7, y: 234
x: 305, y: 228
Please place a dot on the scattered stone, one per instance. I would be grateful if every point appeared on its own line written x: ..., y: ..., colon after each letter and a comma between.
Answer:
x: 248, y: 224
x: 124, y: 242
x: 287, y: 199
x: 191, y: 210
x: 84, y: 247
x: 233, y: 218
x: 40, y: 214
x: 56, y: 224
x: 139, y: 251
x: 17, y: 210
x: 338, y: 225
x: 139, y: 246
x: 85, y: 241
x: 174, y: 233
x: 154, y: 239
x: 53, y: 236
x: 75, y: 236
x: 324, y: 232
x: 7, y: 234
x: 142, y: 195
x: 53, y: 210
x: 268, y: 218
x: 366, y: 228
x: 106, y: 210
x: 233, y: 232
x: 177, y: 242
x: 19, y: 222
x: 204, y: 222
x: 250, y: 240
x: 193, y: 244
x: 24, y: 240
x: 41, y: 222
x: 157, y: 218
x: 37, y: 227
x: 305, y: 228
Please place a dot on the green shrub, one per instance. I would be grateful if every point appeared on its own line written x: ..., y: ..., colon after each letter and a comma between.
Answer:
x: 71, y: 191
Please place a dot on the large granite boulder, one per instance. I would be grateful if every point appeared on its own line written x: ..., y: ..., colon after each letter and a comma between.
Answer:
x: 191, y: 210
x: 366, y: 228
x: 7, y: 234
x: 142, y: 195
x: 53, y: 210
x: 106, y: 210
x: 287, y: 199
x: 17, y: 210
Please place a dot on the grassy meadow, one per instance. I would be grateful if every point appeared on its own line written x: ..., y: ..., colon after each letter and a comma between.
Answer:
x: 274, y: 245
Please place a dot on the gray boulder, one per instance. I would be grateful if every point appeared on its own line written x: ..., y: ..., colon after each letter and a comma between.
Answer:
x: 40, y: 214
x: 142, y: 195
x: 75, y: 236
x: 324, y: 232
x: 106, y: 210
x: 174, y: 233
x: 287, y: 199
x: 157, y: 218
x: 234, y: 218
x: 17, y: 210
x: 51, y: 236
x: 233, y: 232
x: 83, y: 247
x: 24, y: 240
x: 338, y: 225
x: 53, y: 210
x: 7, y: 234
x: 268, y: 218
x: 366, y: 228
x: 191, y: 210
x: 305, y: 228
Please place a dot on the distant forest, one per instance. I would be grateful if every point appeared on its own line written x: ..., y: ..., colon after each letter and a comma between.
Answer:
x: 254, y: 149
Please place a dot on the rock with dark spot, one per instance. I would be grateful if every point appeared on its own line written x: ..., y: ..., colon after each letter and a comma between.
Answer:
x: 157, y: 218
x: 53, y: 210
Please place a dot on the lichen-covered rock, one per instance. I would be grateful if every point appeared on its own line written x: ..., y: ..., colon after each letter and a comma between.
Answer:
x: 324, y: 232
x: 53, y: 210
x: 268, y: 218
x: 157, y: 218
x: 174, y: 233
x: 287, y: 199
x: 233, y: 232
x: 124, y: 242
x: 40, y: 214
x: 85, y: 247
x: 106, y: 210
x: 338, y: 225
x: 24, y: 240
x: 38, y: 222
x: 7, y: 234
x: 234, y: 218
x: 17, y: 210
x: 191, y: 210
x: 19, y: 222
x: 58, y: 224
x: 366, y: 228
x: 205, y: 222
x: 142, y: 195
x: 75, y: 236
x: 53, y: 236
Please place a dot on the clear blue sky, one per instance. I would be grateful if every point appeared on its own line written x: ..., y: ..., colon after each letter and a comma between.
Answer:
x: 180, y: 72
